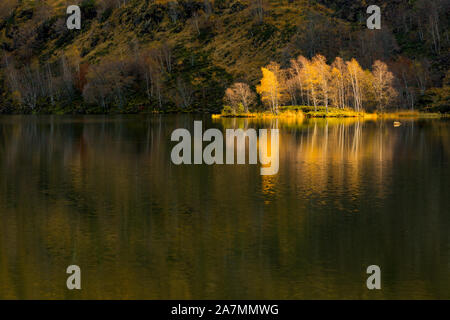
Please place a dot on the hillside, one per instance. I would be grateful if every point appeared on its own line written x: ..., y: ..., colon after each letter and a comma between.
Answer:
x: 142, y: 56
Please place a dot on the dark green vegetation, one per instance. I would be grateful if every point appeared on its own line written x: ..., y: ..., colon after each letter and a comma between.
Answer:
x: 152, y: 56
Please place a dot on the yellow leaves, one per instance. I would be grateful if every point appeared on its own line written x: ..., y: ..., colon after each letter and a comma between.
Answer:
x: 268, y: 82
x: 343, y: 84
x: 335, y: 73
x: 269, y: 89
x: 354, y: 68
x: 382, y: 82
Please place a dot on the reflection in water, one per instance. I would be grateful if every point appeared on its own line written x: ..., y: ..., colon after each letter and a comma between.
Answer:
x: 102, y: 193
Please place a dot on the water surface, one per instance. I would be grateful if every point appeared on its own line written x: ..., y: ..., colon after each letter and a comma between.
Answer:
x: 102, y: 193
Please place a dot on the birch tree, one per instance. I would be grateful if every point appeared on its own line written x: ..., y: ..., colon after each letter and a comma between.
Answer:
x: 239, y: 93
x: 383, y: 84
x: 356, y: 75
x: 270, y: 90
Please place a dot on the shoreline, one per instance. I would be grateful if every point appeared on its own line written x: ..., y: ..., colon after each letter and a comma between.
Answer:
x: 288, y: 113
x: 299, y: 113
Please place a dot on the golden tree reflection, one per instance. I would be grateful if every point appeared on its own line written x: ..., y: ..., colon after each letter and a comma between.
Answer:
x: 102, y: 193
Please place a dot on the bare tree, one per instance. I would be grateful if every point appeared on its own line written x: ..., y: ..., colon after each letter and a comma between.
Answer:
x: 184, y: 94
x: 240, y: 93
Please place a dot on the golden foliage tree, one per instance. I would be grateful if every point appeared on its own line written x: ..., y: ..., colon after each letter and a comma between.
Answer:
x: 270, y: 90
x: 339, y: 83
x: 312, y: 82
x: 356, y: 76
x: 382, y: 84
x: 343, y: 84
x: 323, y: 74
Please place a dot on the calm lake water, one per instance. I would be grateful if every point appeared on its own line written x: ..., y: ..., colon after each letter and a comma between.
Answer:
x: 102, y: 193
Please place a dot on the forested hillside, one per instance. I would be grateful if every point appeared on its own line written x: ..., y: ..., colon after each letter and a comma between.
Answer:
x: 145, y: 56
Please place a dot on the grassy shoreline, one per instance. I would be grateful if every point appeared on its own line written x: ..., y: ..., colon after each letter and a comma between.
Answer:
x: 321, y: 112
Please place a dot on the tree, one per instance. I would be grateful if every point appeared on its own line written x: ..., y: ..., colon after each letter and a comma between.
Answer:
x: 323, y: 77
x: 339, y: 81
x: 356, y: 75
x: 311, y: 81
x: 382, y: 84
x: 239, y: 93
x: 184, y: 94
x: 270, y: 90
x: 108, y: 83
x: 297, y: 75
x: 154, y: 71
x: 292, y: 88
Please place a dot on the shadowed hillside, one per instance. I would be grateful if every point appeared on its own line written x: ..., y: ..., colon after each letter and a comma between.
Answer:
x: 142, y: 56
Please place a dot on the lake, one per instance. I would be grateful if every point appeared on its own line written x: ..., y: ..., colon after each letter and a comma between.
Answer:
x: 101, y: 192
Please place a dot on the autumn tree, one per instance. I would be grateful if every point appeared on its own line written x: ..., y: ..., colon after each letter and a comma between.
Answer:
x: 270, y: 90
x: 297, y: 79
x: 356, y: 75
x: 319, y: 63
x: 339, y: 83
x: 383, y: 84
x: 311, y: 81
x: 239, y: 94
x: 292, y: 88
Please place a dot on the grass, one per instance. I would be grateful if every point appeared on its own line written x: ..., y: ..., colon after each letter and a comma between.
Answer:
x: 410, y: 114
x: 296, y: 112
x: 262, y: 114
x: 322, y: 112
